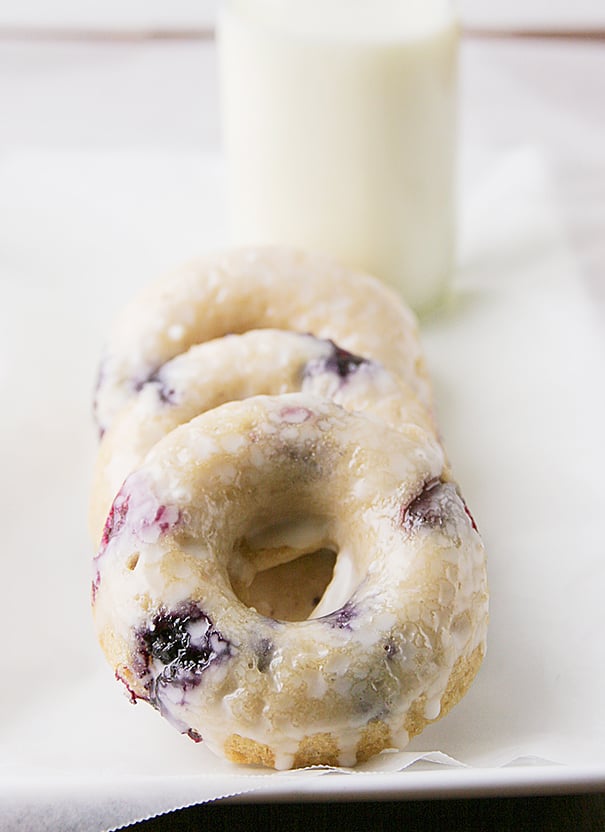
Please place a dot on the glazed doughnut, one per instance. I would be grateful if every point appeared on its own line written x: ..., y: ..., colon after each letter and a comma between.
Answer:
x: 257, y: 288
x: 236, y: 367
x: 248, y: 489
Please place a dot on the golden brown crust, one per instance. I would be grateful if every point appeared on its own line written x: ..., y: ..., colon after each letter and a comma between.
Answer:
x: 244, y: 750
x: 322, y: 749
x: 114, y: 647
x: 375, y: 738
x: 463, y: 673
x: 317, y: 750
x: 461, y: 678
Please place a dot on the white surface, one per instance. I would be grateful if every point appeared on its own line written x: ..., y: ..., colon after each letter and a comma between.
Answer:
x: 533, y: 14
x: 110, y: 14
x: 514, y: 363
x: 179, y: 14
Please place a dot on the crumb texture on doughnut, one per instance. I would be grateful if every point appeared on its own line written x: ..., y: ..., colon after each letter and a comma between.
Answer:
x: 243, y: 750
x: 317, y: 750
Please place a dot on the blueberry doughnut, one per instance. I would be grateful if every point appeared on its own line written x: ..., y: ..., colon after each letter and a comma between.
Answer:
x: 236, y: 367
x: 189, y: 588
x: 256, y: 288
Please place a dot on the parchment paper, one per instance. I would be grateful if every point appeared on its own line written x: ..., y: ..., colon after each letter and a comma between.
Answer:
x: 518, y: 365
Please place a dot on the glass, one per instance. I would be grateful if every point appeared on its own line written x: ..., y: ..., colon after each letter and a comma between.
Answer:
x: 339, y: 123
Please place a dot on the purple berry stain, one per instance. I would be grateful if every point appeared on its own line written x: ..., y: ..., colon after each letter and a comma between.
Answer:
x: 165, y: 392
x: 470, y: 516
x: 131, y: 693
x: 295, y: 415
x: 164, y: 519
x: 116, y: 518
x: 137, y: 512
x: 434, y: 507
x: 96, y: 583
x: 341, y: 619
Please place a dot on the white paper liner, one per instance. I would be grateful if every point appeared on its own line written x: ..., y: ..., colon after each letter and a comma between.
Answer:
x: 518, y: 365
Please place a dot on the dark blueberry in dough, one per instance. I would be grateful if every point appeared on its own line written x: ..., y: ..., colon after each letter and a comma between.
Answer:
x: 340, y: 362
x: 177, y: 648
x: 343, y: 362
x: 168, y: 638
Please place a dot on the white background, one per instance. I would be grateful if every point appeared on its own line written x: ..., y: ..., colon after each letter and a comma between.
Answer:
x: 178, y: 14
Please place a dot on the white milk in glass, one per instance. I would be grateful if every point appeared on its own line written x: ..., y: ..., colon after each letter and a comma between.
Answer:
x: 339, y: 121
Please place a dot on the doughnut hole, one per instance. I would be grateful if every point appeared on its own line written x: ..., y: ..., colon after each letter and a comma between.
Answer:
x: 282, y: 570
x: 280, y: 498
x: 291, y: 591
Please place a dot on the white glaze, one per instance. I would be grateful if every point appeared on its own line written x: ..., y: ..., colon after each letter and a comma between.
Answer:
x: 254, y: 288
x: 401, y: 642
x: 235, y: 367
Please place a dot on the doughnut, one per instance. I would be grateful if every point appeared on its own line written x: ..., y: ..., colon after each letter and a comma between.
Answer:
x: 235, y: 367
x: 257, y: 288
x: 199, y: 608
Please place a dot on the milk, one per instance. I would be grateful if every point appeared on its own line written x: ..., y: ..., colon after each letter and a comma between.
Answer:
x: 339, y: 131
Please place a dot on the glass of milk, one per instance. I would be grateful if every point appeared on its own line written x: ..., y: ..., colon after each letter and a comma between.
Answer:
x: 339, y: 122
